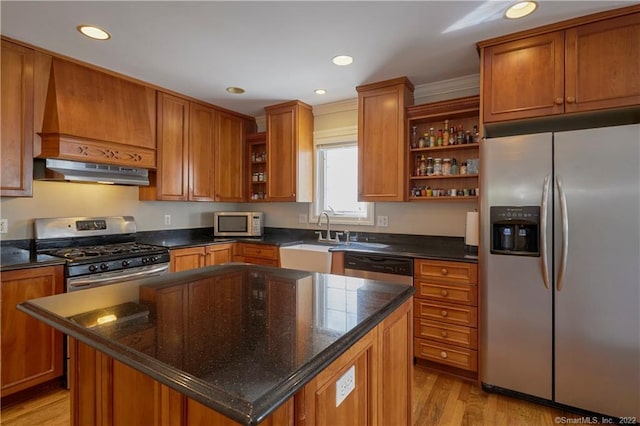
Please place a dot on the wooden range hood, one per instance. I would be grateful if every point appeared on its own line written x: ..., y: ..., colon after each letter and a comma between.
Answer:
x: 93, y: 116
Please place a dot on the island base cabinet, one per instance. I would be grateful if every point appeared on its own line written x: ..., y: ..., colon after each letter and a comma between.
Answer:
x: 106, y: 392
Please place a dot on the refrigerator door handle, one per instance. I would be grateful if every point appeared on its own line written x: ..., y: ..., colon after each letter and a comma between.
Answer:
x: 565, y: 233
x: 543, y: 231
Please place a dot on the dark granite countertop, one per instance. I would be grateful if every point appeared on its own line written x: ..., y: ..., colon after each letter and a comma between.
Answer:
x: 252, y: 335
x: 414, y: 246
x: 18, y: 258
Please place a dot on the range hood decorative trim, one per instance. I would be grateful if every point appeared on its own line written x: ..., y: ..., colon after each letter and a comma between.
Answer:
x: 75, y: 171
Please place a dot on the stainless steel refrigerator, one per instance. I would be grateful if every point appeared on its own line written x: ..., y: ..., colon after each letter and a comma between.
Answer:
x: 561, y: 309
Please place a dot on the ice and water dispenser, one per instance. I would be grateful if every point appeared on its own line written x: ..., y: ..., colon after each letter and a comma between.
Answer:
x: 515, y: 230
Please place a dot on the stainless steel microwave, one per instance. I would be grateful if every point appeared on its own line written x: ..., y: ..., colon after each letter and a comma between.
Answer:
x: 238, y: 224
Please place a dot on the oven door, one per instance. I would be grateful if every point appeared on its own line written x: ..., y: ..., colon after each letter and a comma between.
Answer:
x: 96, y: 280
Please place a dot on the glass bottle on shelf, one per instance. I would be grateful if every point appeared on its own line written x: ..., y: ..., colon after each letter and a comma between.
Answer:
x: 417, y: 170
x: 429, y: 166
x: 445, y: 133
x: 460, y: 135
x: 437, y: 167
x: 439, y: 141
x: 476, y: 134
x: 414, y: 137
x: 432, y: 138
x: 463, y: 168
x: 452, y: 135
x: 454, y: 166
x: 423, y: 166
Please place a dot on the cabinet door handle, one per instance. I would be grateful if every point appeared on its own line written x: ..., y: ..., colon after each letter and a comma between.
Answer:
x: 443, y: 333
x: 443, y: 355
x: 444, y: 293
x: 559, y: 101
x: 570, y: 99
x: 444, y: 271
x: 444, y: 313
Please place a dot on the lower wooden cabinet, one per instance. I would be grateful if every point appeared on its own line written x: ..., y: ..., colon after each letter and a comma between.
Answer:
x: 31, y: 350
x: 199, y: 257
x: 446, y: 313
x: 259, y: 254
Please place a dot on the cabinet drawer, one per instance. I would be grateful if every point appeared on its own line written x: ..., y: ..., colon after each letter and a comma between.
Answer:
x: 446, y: 333
x: 260, y: 261
x: 451, y: 293
x: 447, y: 272
x: 259, y: 250
x: 452, y: 314
x: 454, y: 356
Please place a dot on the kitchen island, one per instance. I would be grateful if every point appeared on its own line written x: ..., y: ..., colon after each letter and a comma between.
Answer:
x: 237, y: 344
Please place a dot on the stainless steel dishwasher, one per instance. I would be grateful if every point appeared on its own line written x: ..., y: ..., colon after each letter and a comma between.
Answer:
x: 391, y: 269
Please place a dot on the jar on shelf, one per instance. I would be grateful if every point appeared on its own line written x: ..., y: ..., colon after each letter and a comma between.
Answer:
x: 422, y: 142
x: 446, y: 167
x: 429, y: 166
x: 254, y: 177
x: 422, y: 169
x: 437, y: 167
x: 432, y: 138
x: 463, y: 168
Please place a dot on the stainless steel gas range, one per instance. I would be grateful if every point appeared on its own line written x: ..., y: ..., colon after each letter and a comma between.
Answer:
x: 99, y: 250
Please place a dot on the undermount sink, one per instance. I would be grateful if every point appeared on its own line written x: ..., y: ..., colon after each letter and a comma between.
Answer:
x: 306, y: 257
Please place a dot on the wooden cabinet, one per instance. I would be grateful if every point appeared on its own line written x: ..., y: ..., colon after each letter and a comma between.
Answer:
x: 425, y: 182
x: 31, y: 350
x: 289, y: 152
x: 259, y: 254
x: 97, y: 116
x: 382, y: 148
x: 200, y: 153
x: 584, y: 64
x: 446, y: 313
x: 16, y: 141
x: 199, y: 257
x: 257, y: 171
x: 229, y: 158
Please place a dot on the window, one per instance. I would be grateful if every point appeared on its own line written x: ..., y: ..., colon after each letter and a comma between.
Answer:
x: 337, y: 185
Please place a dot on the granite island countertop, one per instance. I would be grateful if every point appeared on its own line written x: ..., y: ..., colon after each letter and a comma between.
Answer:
x: 252, y: 335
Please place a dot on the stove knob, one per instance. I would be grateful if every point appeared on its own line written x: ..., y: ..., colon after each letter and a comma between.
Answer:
x: 154, y: 259
x: 93, y: 268
x: 145, y: 260
x: 104, y: 266
x: 126, y: 263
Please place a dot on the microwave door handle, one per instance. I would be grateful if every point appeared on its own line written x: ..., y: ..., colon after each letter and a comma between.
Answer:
x: 565, y: 233
x: 544, y: 265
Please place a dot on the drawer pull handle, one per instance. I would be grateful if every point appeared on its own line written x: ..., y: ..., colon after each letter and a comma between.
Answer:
x: 444, y: 271
x: 444, y: 293
x: 444, y: 313
x: 443, y: 355
x: 443, y: 333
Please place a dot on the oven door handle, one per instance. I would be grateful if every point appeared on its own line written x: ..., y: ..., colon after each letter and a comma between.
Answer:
x: 74, y: 284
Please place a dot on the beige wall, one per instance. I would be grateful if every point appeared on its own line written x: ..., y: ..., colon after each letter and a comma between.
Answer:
x: 59, y: 199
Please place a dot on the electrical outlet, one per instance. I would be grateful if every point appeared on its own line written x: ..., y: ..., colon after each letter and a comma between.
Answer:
x: 345, y: 385
x: 4, y: 226
x: 382, y: 221
x: 302, y: 218
x: 167, y: 219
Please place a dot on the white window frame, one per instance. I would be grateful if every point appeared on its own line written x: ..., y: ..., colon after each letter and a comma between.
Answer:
x: 326, y: 139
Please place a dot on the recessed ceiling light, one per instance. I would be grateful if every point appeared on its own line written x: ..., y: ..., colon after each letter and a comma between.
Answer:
x: 320, y: 91
x: 342, y: 60
x: 521, y: 9
x: 235, y: 90
x: 93, y: 32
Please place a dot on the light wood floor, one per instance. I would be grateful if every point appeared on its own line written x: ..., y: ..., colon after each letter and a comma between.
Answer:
x: 437, y: 400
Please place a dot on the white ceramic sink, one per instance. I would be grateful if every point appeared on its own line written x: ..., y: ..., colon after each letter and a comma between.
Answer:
x: 306, y: 257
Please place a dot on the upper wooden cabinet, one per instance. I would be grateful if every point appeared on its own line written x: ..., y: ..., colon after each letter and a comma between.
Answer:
x: 382, y: 133
x: 200, y: 153
x: 290, y: 152
x: 95, y: 116
x: 16, y: 112
x: 585, y: 64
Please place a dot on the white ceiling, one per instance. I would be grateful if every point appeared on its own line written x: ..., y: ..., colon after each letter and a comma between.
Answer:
x: 277, y: 51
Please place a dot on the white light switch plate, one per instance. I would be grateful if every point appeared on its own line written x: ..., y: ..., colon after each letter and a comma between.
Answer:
x: 382, y: 221
x: 345, y: 385
x: 4, y: 226
x: 167, y: 219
